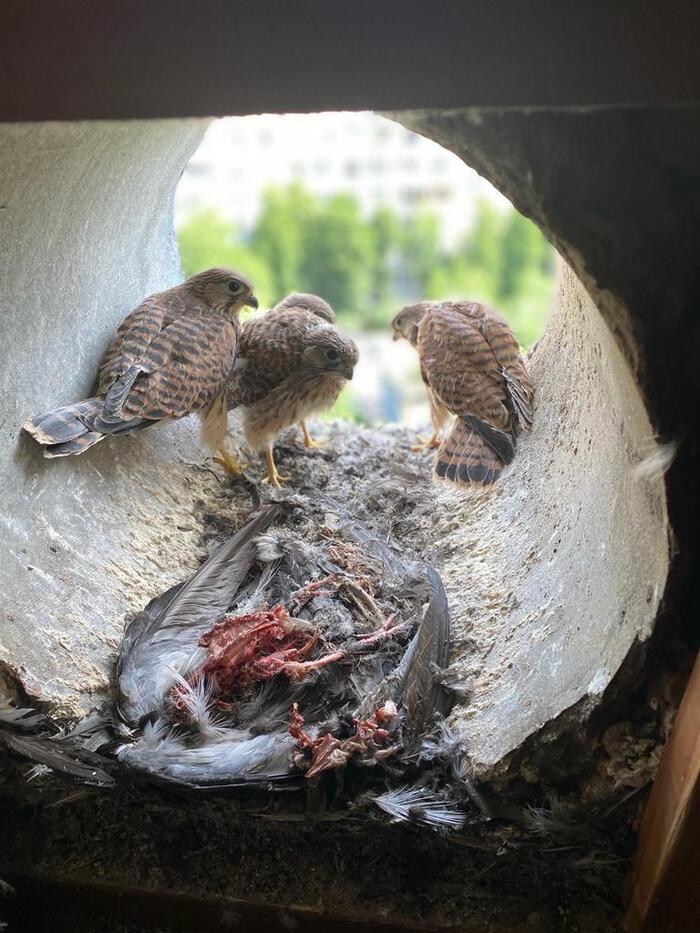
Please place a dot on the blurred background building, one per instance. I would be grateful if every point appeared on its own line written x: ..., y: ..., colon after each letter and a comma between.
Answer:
x: 371, y: 216
x: 378, y: 162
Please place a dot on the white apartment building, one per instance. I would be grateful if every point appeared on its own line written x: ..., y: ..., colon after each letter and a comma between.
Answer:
x: 380, y: 162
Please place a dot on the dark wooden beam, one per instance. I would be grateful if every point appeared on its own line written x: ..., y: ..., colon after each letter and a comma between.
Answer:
x: 89, y: 59
x: 663, y: 895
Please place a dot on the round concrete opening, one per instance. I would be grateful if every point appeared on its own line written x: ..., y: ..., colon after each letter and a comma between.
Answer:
x: 553, y: 576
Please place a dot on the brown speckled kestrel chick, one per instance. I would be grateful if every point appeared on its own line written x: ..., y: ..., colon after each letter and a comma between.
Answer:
x: 471, y: 364
x: 171, y: 355
x: 293, y: 362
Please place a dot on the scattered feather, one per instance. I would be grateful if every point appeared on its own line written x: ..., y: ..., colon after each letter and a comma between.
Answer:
x: 36, y: 771
x: 44, y: 751
x: 165, y: 635
x: 196, y: 700
x: 6, y: 888
x: 424, y: 694
x: 21, y: 717
x: 418, y: 805
x: 655, y: 464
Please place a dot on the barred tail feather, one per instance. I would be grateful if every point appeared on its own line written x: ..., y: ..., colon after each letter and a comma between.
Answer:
x: 64, y: 424
x: 474, y: 453
x: 75, y: 447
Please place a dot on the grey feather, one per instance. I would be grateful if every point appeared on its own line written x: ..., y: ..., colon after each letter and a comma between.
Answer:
x: 166, y: 634
x: 117, y: 394
x: 424, y: 694
x: 21, y: 717
x: 520, y: 399
x: 44, y: 751
x: 242, y: 759
x: 421, y: 806
x: 500, y: 442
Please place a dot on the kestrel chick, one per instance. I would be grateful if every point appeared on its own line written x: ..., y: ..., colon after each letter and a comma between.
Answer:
x: 471, y: 363
x: 293, y: 363
x: 171, y: 356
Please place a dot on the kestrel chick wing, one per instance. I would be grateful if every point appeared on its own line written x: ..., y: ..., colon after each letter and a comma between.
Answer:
x: 460, y: 367
x: 507, y: 354
x: 167, y: 359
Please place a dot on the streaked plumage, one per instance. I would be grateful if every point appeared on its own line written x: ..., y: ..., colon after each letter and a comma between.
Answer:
x: 171, y: 356
x: 405, y: 325
x: 293, y: 363
x: 307, y: 302
x: 471, y: 364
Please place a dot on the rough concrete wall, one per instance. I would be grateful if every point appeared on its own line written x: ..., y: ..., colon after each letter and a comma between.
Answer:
x: 558, y: 570
x: 86, y: 221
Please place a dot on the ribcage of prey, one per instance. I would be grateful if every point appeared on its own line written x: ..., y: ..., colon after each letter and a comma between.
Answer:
x: 184, y: 354
x: 463, y: 364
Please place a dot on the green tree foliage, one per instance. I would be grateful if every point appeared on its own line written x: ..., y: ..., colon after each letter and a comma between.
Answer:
x: 385, y: 233
x: 337, y: 254
x: 481, y: 247
x: 420, y: 252
x: 368, y: 268
x: 280, y: 234
x: 206, y: 240
x: 522, y: 246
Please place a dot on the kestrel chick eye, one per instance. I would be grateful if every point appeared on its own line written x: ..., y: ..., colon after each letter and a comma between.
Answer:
x: 234, y: 286
x: 332, y: 354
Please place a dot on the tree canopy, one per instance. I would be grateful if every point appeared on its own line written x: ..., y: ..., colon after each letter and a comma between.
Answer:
x: 368, y: 267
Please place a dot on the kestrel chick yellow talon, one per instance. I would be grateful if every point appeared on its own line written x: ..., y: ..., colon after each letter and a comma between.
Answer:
x: 292, y: 363
x: 273, y: 477
x: 230, y: 462
x: 431, y: 443
x: 471, y: 365
x: 171, y: 356
x: 308, y: 440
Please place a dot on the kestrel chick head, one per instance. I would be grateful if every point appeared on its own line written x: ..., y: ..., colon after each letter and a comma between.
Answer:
x: 307, y: 302
x: 328, y: 352
x: 223, y: 289
x: 406, y: 322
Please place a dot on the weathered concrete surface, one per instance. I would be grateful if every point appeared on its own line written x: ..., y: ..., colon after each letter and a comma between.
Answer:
x: 554, y: 574
x: 86, y: 229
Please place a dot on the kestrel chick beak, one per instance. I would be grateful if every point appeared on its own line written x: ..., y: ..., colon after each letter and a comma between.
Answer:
x: 252, y: 301
x: 347, y: 370
x: 396, y: 335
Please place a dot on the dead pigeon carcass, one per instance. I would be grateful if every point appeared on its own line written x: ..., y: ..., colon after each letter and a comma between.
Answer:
x: 282, y: 658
